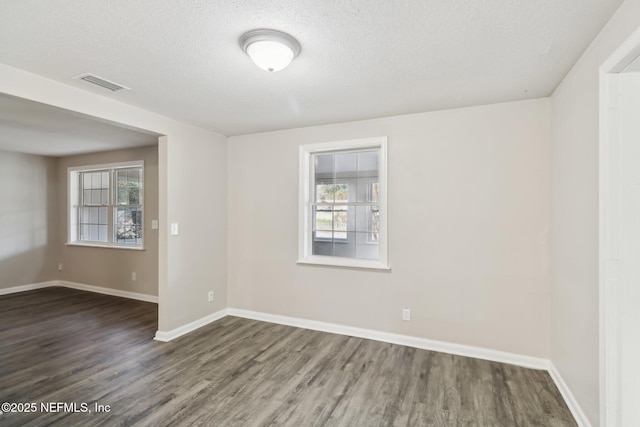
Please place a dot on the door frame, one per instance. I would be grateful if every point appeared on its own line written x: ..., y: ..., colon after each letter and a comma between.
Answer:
x: 609, y: 231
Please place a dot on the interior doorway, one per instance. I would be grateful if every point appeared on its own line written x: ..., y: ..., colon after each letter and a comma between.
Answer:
x: 620, y: 236
x: 40, y: 143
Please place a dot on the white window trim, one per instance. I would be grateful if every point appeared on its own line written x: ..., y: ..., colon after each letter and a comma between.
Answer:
x: 73, y: 198
x: 304, y: 202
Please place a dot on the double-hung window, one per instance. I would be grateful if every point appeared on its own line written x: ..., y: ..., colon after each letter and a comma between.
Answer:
x: 106, y: 205
x: 343, y: 204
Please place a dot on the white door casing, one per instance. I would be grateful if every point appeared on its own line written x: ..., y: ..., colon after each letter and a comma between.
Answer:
x: 620, y: 238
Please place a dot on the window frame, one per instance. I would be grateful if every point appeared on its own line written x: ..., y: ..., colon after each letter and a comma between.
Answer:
x: 305, y: 201
x: 74, y: 203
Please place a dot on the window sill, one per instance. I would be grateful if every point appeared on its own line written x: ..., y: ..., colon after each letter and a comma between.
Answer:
x: 349, y: 263
x: 106, y: 246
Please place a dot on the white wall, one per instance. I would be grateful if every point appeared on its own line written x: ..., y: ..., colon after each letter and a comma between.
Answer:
x: 192, y: 192
x: 574, y: 200
x: 469, y: 220
x: 28, y: 212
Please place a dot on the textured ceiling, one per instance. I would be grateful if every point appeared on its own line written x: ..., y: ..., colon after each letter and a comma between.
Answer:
x: 31, y: 127
x: 360, y: 58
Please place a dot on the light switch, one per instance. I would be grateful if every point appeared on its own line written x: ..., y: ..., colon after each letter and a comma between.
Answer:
x: 174, y: 228
x: 154, y: 224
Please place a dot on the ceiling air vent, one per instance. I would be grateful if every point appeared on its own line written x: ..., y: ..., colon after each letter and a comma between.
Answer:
x: 91, y: 78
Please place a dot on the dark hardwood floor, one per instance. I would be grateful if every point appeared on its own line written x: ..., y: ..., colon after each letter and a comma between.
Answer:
x: 69, y: 346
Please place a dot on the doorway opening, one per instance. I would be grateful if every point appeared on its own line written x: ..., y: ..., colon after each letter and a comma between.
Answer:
x: 41, y: 143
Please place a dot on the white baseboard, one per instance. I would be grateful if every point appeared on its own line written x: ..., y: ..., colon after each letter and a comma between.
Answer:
x: 29, y: 287
x: 569, y: 398
x: 108, y: 291
x: 166, y: 336
x: 433, y: 345
x: 423, y: 343
x: 82, y: 287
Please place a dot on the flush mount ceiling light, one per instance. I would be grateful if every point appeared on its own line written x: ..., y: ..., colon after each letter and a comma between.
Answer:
x: 270, y: 50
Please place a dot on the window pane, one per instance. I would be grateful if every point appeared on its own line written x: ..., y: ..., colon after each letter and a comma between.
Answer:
x: 96, y: 180
x: 374, y: 229
x: 340, y: 219
x: 368, y: 190
x: 129, y: 186
x: 328, y: 193
x: 93, y: 186
x: 86, y: 180
x: 128, y: 225
x: 96, y: 197
x: 122, y: 190
x: 341, y: 192
x: 322, y: 247
x: 102, y: 215
x: 94, y: 215
x: 324, y: 193
x: 134, y: 175
x: 323, y: 224
x: 94, y: 232
x: 91, y: 221
x: 103, y: 233
x: 361, y: 218
x: 368, y: 219
x: 345, y: 165
x: 346, y: 247
x: 121, y: 182
x: 323, y: 235
x: 368, y: 164
x: 333, y: 222
x: 365, y: 249
x: 84, y: 215
x: 323, y: 166
x: 134, y: 193
x: 134, y: 186
x: 374, y: 192
x: 84, y: 232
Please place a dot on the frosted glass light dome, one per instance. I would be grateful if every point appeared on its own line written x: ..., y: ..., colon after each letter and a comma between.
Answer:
x: 270, y: 56
x: 270, y: 50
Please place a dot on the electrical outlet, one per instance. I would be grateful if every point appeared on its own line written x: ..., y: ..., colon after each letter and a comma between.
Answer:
x: 133, y: 276
x: 59, y: 266
x: 406, y: 314
x: 210, y: 296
